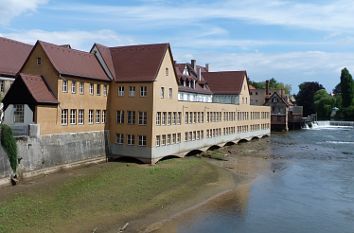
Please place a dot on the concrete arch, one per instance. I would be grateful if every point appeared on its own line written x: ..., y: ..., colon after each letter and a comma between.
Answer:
x: 214, y: 147
x: 193, y: 153
x: 254, y: 138
x: 168, y: 157
x: 265, y: 136
x: 243, y: 140
x: 229, y: 143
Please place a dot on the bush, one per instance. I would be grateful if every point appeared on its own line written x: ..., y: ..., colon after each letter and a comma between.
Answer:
x: 8, y: 142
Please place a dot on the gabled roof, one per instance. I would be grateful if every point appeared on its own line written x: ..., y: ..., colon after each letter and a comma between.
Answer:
x: 225, y: 82
x: 135, y: 63
x: 12, y: 56
x: 269, y: 100
x: 73, y: 62
x: 201, y: 85
x: 29, y: 89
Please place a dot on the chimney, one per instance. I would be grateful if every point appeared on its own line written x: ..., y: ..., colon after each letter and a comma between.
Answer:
x: 200, y: 74
x: 267, y: 87
x: 207, y: 67
x: 282, y: 93
x: 193, y: 64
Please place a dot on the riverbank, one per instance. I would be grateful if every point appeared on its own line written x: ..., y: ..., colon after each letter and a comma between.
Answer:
x: 104, y: 197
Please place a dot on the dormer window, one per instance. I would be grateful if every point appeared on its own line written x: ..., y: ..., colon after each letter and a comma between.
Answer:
x: 185, y: 71
x: 39, y: 60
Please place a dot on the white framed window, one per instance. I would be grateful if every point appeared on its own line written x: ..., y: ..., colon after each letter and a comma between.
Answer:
x: 98, y: 116
x: 19, y: 113
x: 120, y: 138
x: 39, y: 60
x: 105, y: 90
x: 64, y: 117
x: 170, y: 93
x: 91, y: 89
x: 98, y: 89
x: 131, y: 91
x: 163, y: 118
x: 142, y: 118
x: 162, y: 92
x: 73, y: 87
x: 179, y: 118
x: 64, y: 87
x: 166, y: 71
x: 143, y: 91
x: 121, y: 91
x: 142, y: 140
x: 90, y: 116
x: 168, y: 139
x: 80, y: 119
x: 169, y: 116
x: 179, y: 138
x: 158, y: 141
x: 186, y: 136
x: 73, y: 116
x: 2, y: 86
x: 174, y: 138
x: 131, y: 139
x: 131, y: 117
x: 103, y: 116
x: 120, y: 117
x: 158, y: 118
x: 163, y: 142
x: 81, y: 88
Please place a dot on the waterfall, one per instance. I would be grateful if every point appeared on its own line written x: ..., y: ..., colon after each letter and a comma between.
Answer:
x: 328, y: 124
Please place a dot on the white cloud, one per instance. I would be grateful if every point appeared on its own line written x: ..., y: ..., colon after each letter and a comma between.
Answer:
x: 11, y: 8
x: 77, y: 39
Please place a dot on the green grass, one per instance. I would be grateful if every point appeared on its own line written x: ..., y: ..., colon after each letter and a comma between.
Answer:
x: 103, y: 193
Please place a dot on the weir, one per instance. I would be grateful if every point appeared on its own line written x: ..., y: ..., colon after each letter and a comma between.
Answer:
x: 316, y: 124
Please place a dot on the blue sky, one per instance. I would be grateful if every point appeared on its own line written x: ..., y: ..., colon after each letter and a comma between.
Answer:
x: 292, y: 41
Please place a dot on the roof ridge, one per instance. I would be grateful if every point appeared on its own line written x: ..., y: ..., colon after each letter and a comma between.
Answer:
x: 14, y: 41
x: 138, y: 45
x: 65, y: 48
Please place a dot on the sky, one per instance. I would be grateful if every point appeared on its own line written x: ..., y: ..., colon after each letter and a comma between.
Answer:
x: 291, y: 41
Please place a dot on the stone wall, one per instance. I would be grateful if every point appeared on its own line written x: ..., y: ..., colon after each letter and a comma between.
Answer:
x: 5, y: 169
x: 55, y: 150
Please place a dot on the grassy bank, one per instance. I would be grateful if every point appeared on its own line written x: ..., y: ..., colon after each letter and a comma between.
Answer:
x: 103, y: 195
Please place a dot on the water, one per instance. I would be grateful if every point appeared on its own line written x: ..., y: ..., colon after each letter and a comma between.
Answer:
x: 307, y: 186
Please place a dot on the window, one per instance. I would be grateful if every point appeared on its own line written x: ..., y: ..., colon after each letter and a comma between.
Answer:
x: 186, y: 136
x: 158, y: 141
x: 81, y: 115
x: 121, y: 91
x: 179, y: 118
x: 174, y: 137
x: 73, y: 116
x: 142, y: 118
x: 120, y: 117
x: 169, y: 118
x: 2, y: 86
x: 166, y: 71
x: 64, y: 117
x: 65, y: 86
x: 131, y: 117
x: 158, y: 118
x: 90, y: 116
x: 81, y: 88
x: 170, y: 93
x: 143, y: 91
x: 162, y: 93
x: 98, y: 89
x: 120, y: 138
x: 179, y: 138
x: 105, y: 90
x: 98, y: 116
x: 174, y: 118
x: 163, y: 140
x: 73, y: 87
x: 168, y: 139
x: 131, y: 91
x: 163, y: 120
x: 142, y: 140
x: 131, y: 139
x: 39, y: 60
x: 91, y: 88
x: 103, y: 116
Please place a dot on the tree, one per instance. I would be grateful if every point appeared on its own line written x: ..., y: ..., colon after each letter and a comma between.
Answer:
x: 305, y: 97
x: 273, y: 84
x: 324, y: 104
x: 346, y: 86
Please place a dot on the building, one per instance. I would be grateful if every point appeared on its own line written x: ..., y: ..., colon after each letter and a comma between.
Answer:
x: 12, y: 56
x: 148, y: 106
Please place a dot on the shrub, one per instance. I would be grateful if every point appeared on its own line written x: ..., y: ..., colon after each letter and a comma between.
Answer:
x: 8, y: 142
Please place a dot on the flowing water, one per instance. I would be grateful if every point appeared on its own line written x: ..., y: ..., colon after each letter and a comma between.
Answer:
x: 304, y: 183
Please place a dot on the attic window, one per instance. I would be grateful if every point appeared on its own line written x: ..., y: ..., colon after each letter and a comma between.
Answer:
x: 39, y: 60
x: 166, y: 71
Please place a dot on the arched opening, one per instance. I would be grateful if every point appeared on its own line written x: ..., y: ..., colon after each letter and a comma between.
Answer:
x: 242, y: 141
x: 214, y: 147
x: 126, y: 159
x: 168, y: 157
x: 254, y: 138
x: 193, y: 153
x: 229, y: 144
x: 265, y: 136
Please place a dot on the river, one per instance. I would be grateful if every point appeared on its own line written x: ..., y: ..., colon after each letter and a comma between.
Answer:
x: 303, y: 182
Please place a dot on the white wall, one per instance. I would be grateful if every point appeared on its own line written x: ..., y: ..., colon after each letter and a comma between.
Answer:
x: 9, y: 116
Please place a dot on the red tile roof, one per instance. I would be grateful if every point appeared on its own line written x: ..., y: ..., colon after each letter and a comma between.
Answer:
x: 38, y: 89
x: 135, y: 63
x: 12, y: 56
x: 225, y: 82
x: 74, y: 62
